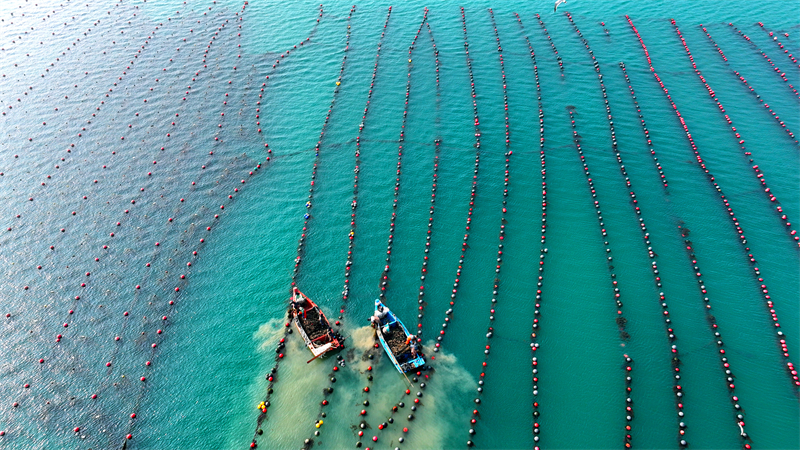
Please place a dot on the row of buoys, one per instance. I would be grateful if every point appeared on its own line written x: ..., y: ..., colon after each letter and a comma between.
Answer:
x: 742, y: 239
x: 717, y: 337
x: 384, y: 278
x: 752, y: 91
x: 354, y: 204
x: 272, y: 376
x: 552, y: 44
x: 424, y: 270
x: 74, y: 303
x: 542, y: 251
x: 492, y: 307
x: 775, y: 68
x: 473, y: 190
x: 27, y: 28
x: 400, y: 404
x: 620, y: 320
x: 72, y: 46
x: 670, y: 333
x: 774, y: 37
x: 159, y: 332
x: 90, y: 119
x: 644, y: 127
x: 756, y: 170
x: 182, y: 278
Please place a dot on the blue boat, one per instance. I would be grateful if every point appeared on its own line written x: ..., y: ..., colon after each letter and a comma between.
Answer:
x: 393, y: 336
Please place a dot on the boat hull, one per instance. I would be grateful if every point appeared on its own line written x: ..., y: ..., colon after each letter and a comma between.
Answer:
x: 393, y: 341
x: 312, y: 325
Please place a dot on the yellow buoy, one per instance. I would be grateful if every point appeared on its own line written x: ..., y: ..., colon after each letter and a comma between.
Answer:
x: 319, y: 424
x: 409, y: 60
x: 338, y: 83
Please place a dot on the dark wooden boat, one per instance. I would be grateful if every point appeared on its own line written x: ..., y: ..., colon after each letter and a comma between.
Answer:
x: 312, y: 325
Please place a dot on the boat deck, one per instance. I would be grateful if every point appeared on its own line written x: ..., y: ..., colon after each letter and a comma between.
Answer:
x: 396, y: 340
x: 314, y: 329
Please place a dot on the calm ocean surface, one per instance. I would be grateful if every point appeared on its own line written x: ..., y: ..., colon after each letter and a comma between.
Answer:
x: 149, y: 235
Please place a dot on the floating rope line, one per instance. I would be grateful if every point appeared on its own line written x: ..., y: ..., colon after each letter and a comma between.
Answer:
x: 183, y: 282
x: 424, y: 270
x: 675, y: 357
x: 552, y: 45
x: 163, y: 322
x: 742, y: 240
x: 621, y: 321
x: 19, y: 39
x: 464, y: 246
x: 70, y: 47
x: 779, y: 44
x: 758, y: 97
x: 501, y: 238
x: 756, y: 170
x: 775, y: 68
x: 449, y: 312
x: 68, y: 318
x: 89, y: 120
x: 399, y: 404
x: 351, y: 238
x: 272, y: 376
x: 644, y: 127
x: 384, y: 279
x: 714, y: 328
x: 543, y: 250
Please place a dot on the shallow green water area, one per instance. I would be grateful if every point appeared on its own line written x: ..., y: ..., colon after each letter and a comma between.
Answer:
x: 146, y: 222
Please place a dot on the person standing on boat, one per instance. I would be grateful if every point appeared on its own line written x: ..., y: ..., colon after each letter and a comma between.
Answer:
x: 374, y: 321
x: 412, y: 343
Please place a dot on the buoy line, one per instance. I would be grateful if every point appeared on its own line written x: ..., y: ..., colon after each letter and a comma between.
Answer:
x: 752, y: 91
x: 272, y: 376
x: 182, y: 283
x: 384, y: 278
x: 780, y: 44
x: 274, y: 68
x: 477, y: 144
x: 437, y: 142
x: 400, y: 404
x: 124, y: 73
x: 68, y: 318
x: 674, y: 356
x: 552, y: 44
x: 620, y: 320
x: 756, y: 170
x: 738, y: 412
x: 542, y: 252
x: 644, y: 127
x: 327, y: 391
x: 158, y: 334
x: 670, y: 333
x: 742, y: 240
x: 25, y: 26
x: 72, y: 46
x: 501, y: 239
x: 775, y: 68
x: 449, y: 312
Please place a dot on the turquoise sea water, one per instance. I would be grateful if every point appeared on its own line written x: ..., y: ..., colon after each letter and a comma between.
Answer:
x: 105, y: 202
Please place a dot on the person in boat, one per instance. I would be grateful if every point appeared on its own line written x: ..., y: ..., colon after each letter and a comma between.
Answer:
x: 374, y: 321
x: 413, y: 344
x: 381, y: 312
x: 297, y: 304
